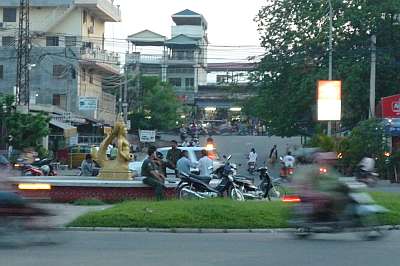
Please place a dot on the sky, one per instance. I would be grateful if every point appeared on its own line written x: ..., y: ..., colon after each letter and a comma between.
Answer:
x: 230, y: 23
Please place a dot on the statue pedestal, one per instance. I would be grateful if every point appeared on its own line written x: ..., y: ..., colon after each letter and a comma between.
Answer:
x: 114, y: 175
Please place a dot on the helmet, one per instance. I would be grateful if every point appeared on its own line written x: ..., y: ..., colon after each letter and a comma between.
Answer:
x: 45, y: 169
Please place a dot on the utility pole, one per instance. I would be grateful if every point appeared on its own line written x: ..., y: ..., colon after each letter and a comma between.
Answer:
x: 125, y: 102
x: 373, y: 78
x: 330, y: 54
x: 23, y: 55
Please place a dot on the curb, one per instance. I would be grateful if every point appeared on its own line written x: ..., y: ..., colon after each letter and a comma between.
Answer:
x: 194, y: 230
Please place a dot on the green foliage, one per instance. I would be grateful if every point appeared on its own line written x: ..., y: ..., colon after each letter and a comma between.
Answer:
x: 295, y: 36
x: 27, y: 129
x: 325, y: 142
x: 366, y: 140
x: 215, y: 213
x: 160, y: 106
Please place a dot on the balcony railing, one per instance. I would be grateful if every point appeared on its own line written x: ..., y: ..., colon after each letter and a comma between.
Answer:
x: 134, y: 58
x: 100, y: 56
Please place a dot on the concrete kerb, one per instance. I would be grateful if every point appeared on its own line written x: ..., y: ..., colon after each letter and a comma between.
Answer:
x: 197, y: 230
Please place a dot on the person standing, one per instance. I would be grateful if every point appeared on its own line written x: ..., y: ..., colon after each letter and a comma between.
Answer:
x: 273, y: 155
x: 153, y: 177
x: 173, y: 155
x: 183, y: 165
x: 205, y: 164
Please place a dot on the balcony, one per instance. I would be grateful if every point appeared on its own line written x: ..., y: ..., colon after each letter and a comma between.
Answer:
x: 157, y: 59
x: 101, y: 58
x: 103, y: 8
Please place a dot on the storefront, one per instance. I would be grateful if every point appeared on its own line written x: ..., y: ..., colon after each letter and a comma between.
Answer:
x: 389, y: 110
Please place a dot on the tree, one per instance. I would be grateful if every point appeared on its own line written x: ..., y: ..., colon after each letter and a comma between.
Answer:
x: 26, y: 129
x: 295, y: 36
x: 367, y: 139
x: 160, y: 108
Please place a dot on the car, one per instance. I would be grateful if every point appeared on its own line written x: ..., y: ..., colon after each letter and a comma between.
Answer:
x: 194, y: 156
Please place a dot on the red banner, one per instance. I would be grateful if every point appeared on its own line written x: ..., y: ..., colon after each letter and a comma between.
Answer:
x: 391, y: 106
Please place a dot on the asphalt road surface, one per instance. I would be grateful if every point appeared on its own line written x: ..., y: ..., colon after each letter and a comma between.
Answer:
x: 123, y: 248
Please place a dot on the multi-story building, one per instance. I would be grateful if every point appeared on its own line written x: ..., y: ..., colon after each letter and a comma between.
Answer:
x: 68, y: 57
x: 183, y: 58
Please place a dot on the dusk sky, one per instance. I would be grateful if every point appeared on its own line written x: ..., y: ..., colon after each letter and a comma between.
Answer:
x: 230, y: 23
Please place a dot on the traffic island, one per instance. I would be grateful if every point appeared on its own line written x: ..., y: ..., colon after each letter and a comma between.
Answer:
x: 69, y: 189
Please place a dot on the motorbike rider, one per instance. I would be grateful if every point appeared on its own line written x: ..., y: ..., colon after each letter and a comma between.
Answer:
x: 289, y: 160
x: 367, y: 165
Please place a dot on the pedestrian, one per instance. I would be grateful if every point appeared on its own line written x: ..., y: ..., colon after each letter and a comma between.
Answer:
x: 153, y: 177
x: 183, y: 165
x: 87, y: 166
x: 273, y: 155
x: 114, y: 152
x: 205, y: 164
x: 173, y: 155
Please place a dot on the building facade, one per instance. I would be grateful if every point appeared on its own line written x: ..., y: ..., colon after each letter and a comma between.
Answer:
x: 182, y: 60
x: 68, y: 58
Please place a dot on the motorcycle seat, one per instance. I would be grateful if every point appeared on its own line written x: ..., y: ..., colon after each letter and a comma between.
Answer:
x: 205, y: 179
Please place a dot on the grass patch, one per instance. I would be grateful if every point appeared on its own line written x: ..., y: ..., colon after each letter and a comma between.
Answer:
x: 88, y: 202
x: 390, y: 201
x: 214, y: 213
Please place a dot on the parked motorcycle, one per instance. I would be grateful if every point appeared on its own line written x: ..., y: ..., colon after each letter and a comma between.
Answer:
x: 194, y: 186
x: 359, y: 213
x: 39, y: 168
x: 268, y: 188
x: 251, y: 167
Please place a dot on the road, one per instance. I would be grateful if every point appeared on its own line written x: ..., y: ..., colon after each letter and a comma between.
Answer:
x: 124, y: 248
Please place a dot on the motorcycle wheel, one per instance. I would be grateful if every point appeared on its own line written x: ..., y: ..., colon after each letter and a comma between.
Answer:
x: 302, y: 233
x: 277, y: 192
x: 184, y: 195
x: 371, y: 230
x: 235, y: 194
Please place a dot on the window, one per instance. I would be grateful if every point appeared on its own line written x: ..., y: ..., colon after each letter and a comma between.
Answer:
x: 83, y: 74
x: 84, y: 16
x: 176, y: 82
x: 57, y: 99
x: 52, y: 41
x: 70, y: 41
x: 8, y: 41
x: 189, y: 82
x: 59, y: 71
x: 9, y: 15
x: 91, y: 77
x: 1, y: 71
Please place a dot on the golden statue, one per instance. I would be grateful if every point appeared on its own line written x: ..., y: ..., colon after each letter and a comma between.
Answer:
x: 115, y: 169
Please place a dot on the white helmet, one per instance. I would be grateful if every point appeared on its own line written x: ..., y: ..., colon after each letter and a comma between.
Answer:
x: 45, y: 169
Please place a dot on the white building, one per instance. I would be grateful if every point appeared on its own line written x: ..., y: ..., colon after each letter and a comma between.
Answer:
x: 67, y: 51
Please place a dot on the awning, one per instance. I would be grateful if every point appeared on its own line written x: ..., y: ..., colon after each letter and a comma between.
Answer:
x: 69, y: 131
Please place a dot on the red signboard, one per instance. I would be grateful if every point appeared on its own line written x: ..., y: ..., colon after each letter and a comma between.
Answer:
x: 391, y: 106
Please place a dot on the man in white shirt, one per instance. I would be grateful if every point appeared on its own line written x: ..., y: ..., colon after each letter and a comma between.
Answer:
x: 289, y: 160
x: 252, y: 156
x: 205, y: 164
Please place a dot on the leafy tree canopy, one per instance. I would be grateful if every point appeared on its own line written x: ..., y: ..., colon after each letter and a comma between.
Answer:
x: 295, y: 36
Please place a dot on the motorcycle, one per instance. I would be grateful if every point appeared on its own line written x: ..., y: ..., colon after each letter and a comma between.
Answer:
x: 17, y: 217
x: 286, y: 172
x: 42, y: 168
x: 194, y: 186
x: 267, y: 189
x: 367, y: 177
x: 251, y: 167
x: 358, y: 214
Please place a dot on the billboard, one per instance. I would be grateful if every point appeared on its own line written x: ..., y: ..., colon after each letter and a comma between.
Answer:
x: 147, y: 135
x: 329, y: 100
x: 87, y: 103
x: 390, y: 106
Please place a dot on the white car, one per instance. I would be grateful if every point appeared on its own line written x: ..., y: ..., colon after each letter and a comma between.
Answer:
x: 194, y: 156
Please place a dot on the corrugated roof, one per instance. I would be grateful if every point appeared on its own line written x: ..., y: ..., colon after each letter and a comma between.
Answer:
x: 187, y: 12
